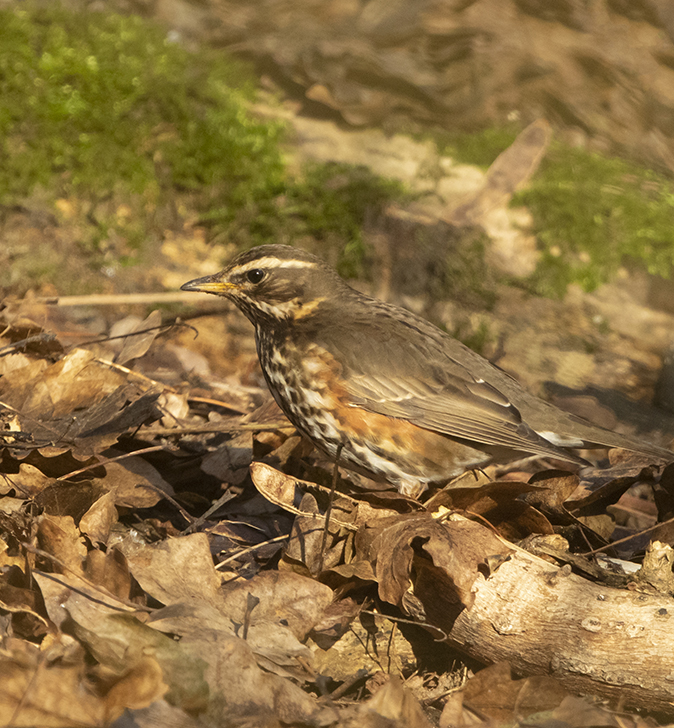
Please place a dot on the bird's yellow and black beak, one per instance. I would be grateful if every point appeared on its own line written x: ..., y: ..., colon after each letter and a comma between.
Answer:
x: 209, y: 284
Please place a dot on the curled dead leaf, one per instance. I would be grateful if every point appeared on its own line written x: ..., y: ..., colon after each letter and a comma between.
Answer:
x: 443, y: 556
x: 99, y: 519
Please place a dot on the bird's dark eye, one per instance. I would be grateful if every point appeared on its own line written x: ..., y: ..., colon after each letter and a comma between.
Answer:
x: 255, y: 275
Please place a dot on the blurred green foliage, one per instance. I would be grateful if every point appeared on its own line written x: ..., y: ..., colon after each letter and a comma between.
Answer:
x: 479, y: 147
x: 107, y: 121
x: 117, y: 127
x: 90, y: 101
x: 593, y: 214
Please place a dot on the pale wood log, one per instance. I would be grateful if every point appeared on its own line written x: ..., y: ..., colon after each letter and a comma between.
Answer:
x: 595, y: 639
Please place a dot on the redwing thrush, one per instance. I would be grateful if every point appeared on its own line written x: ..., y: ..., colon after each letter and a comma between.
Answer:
x: 407, y: 404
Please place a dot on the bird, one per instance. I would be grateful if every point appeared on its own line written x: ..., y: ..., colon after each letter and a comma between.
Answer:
x: 382, y: 390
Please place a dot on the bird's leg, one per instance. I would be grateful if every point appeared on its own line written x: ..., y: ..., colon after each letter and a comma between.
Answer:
x: 328, y: 510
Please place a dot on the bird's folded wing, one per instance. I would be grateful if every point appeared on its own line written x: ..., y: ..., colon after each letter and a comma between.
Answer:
x: 473, y: 411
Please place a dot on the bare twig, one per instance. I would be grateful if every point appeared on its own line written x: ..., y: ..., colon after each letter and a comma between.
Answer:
x: 44, y: 337
x: 79, y: 575
x: 627, y: 538
x: 228, y: 496
x: 105, y: 461
x: 173, y: 501
x: 400, y: 620
x: 216, y: 427
x: 250, y: 549
x: 119, y: 299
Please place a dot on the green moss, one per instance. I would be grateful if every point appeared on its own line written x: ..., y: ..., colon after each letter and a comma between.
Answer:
x: 92, y: 101
x: 480, y: 148
x: 469, y: 277
x: 592, y: 214
x: 476, y: 339
x: 126, y: 134
x: 325, y: 204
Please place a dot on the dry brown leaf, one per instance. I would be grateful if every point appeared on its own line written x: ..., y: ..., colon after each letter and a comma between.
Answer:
x: 74, y: 382
x: 25, y: 370
x: 277, y: 487
x: 284, y: 491
x: 34, y: 692
x: 11, y: 362
x: 553, y: 488
x: 54, y: 462
x: 77, y: 400
x: 453, y: 713
x: 306, y: 538
x: 120, y: 642
x: 392, y: 701
x: 471, y: 480
x: 58, y: 536
x: 446, y: 557
x: 58, y: 588
x: 580, y: 713
x: 136, y: 344
x: 72, y: 499
x: 231, y: 461
x: 174, y: 406
x: 246, y: 688
x: 110, y: 571
x: 18, y: 559
x: 500, y: 503
x: 99, y: 519
x: 55, y: 590
x: 334, y: 622
x: 138, y: 688
x: 27, y: 482
x: 600, y: 487
x: 135, y: 482
x: 17, y: 600
x: 492, y: 692
x: 298, y: 601
x: 273, y: 610
x: 360, y: 570
x: 175, y: 570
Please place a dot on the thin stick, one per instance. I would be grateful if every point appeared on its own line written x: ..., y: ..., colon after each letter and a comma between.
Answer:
x: 172, y: 501
x: 400, y: 620
x: 328, y: 510
x: 93, y: 586
x: 626, y: 538
x: 216, y: 427
x: 102, y: 299
x: 239, y: 554
x: 228, y: 496
x: 105, y: 461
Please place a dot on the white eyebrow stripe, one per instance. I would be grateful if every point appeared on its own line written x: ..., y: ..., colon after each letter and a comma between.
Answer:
x: 275, y: 263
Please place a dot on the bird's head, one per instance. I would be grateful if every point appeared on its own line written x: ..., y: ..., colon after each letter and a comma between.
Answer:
x: 274, y: 283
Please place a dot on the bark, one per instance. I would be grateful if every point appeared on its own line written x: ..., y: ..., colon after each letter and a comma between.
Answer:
x: 595, y: 639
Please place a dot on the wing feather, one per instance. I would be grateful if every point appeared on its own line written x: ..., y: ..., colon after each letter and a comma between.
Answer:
x: 478, y: 413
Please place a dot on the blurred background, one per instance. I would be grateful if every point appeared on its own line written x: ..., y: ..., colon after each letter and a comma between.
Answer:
x: 503, y: 167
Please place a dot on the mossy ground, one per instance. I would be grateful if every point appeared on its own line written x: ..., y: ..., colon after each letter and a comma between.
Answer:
x: 121, y: 134
x: 592, y: 214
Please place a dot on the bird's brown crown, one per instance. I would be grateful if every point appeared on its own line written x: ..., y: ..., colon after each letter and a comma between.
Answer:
x: 274, y: 283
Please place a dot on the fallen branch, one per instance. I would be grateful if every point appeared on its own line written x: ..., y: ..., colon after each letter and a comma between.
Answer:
x: 118, y: 299
x: 595, y: 639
